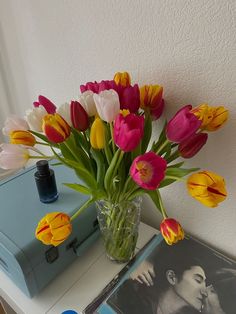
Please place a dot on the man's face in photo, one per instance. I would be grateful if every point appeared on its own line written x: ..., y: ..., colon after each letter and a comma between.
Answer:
x: 192, y: 286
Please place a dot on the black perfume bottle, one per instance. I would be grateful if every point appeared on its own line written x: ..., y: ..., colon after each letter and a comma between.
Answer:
x: 46, y: 183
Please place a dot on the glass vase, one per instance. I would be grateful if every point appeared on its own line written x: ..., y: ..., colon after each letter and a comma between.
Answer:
x: 119, y: 224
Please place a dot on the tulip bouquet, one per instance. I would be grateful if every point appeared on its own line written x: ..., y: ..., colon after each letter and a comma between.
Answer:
x: 105, y: 136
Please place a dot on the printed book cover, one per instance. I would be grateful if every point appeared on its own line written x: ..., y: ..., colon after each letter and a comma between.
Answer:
x: 186, y: 278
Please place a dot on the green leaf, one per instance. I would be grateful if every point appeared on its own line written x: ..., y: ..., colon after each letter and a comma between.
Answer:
x: 166, y: 182
x: 101, y: 165
x: 147, y: 132
x: 178, y: 165
x: 111, y: 171
x: 79, y: 188
x: 161, y: 139
x: 83, y: 174
x: 153, y: 194
x: 179, y: 172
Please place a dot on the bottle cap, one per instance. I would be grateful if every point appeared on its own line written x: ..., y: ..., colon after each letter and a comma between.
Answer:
x: 42, y: 167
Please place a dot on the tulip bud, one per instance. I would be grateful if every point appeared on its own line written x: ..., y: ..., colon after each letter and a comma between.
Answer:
x: 22, y: 137
x: 56, y: 128
x: 79, y: 116
x: 191, y: 146
x: 46, y: 103
x: 13, y: 156
x: 182, y: 125
x: 97, y: 134
x: 207, y: 187
x: 54, y: 228
x: 171, y: 231
x: 122, y: 78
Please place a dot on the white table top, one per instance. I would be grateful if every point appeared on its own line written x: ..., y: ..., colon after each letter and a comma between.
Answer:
x: 76, y: 287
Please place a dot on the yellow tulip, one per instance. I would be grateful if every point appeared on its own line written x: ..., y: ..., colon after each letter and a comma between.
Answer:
x: 22, y: 137
x: 207, y: 187
x: 97, y: 134
x: 55, y: 128
x: 122, y: 78
x: 212, y: 118
x: 220, y: 116
x: 54, y: 228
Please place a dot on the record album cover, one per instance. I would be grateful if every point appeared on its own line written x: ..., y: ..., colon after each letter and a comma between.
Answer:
x: 186, y: 278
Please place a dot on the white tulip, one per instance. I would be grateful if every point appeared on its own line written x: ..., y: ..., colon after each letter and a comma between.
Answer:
x: 34, y: 117
x: 107, y: 104
x: 13, y: 156
x: 13, y: 123
x: 64, y: 111
x: 87, y: 102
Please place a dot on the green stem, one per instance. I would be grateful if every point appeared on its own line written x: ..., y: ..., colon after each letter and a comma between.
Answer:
x: 162, y: 146
x: 112, y: 137
x: 163, y: 211
x: 84, y: 206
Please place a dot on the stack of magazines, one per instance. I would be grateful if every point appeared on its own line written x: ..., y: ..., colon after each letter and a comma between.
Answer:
x: 186, y: 278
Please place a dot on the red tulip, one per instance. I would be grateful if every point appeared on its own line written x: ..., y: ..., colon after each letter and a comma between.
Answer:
x: 171, y: 231
x: 182, y: 125
x: 191, y: 146
x: 79, y: 116
x: 55, y: 128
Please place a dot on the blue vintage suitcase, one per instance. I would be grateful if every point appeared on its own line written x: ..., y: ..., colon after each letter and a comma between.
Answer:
x: 29, y: 263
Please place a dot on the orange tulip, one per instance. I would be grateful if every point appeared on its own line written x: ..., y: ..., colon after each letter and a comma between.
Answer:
x: 54, y: 228
x: 22, y: 137
x: 171, y: 231
x: 56, y: 128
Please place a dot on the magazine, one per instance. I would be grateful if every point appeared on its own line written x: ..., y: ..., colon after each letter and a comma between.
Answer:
x: 186, y: 278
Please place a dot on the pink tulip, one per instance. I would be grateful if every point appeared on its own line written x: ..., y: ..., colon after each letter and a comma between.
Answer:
x: 182, y: 125
x: 128, y: 131
x: 46, y: 103
x: 148, y: 170
x: 13, y: 123
x: 96, y: 87
x: 191, y: 146
x: 107, y: 105
x: 13, y: 156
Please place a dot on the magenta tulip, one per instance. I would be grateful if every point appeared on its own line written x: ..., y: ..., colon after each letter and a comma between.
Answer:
x: 182, y: 125
x: 148, y: 170
x: 128, y: 131
x: 191, y: 146
x: 46, y: 103
x: 79, y: 116
x: 129, y: 97
x: 158, y: 110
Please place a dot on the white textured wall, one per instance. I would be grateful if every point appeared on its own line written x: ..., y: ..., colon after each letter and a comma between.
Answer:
x: 51, y: 47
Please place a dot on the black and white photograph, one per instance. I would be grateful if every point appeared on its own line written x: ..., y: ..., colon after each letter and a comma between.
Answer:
x: 187, y: 278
